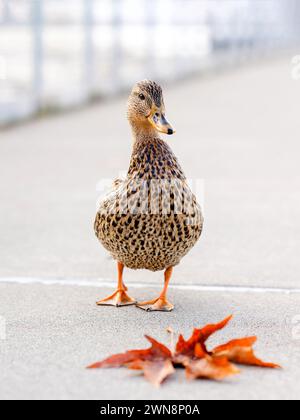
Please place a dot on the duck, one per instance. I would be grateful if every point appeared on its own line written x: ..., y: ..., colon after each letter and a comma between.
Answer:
x: 150, y: 219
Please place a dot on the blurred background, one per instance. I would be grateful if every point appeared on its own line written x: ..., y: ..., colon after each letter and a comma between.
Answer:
x: 55, y: 54
x: 229, y: 71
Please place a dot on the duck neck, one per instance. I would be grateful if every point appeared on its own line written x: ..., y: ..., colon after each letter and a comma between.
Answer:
x: 142, y: 132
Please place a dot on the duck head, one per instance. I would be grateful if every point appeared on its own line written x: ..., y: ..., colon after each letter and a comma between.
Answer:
x: 146, y: 109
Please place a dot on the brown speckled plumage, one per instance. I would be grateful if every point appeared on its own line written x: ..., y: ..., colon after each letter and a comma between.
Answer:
x: 150, y: 233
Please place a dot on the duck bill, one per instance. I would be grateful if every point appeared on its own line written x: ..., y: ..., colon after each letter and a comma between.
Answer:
x: 160, y: 123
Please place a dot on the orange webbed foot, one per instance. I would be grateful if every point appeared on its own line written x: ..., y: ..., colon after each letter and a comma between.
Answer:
x: 118, y: 298
x: 159, y: 304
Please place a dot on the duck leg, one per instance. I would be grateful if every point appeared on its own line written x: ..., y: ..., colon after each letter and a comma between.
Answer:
x: 119, y: 297
x: 161, y: 303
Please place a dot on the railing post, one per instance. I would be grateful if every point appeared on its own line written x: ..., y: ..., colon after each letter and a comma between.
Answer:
x: 88, y: 71
x: 6, y: 10
x: 38, y: 56
x: 150, y: 8
x: 117, y: 48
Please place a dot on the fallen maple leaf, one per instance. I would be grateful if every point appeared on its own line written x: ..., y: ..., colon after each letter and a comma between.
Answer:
x: 155, y: 372
x: 240, y: 351
x: 199, y: 336
x: 210, y: 367
x: 157, y: 363
x: 157, y: 351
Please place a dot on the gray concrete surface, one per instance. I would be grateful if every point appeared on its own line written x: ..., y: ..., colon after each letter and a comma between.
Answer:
x: 239, y: 132
x: 53, y: 332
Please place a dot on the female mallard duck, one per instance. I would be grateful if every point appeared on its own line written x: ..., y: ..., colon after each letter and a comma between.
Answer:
x: 151, y: 219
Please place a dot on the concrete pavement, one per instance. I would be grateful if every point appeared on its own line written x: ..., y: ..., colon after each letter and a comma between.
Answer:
x: 239, y: 132
x: 53, y: 332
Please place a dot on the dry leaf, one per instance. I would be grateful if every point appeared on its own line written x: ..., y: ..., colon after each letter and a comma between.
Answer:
x: 157, y: 362
x: 157, y: 372
x: 210, y: 367
x: 154, y: 371
x: 199, y: 336
x: 240, y: 351
x: 156, y: 351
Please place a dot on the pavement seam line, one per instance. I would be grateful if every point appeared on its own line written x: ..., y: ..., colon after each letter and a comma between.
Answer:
x: 110, y: 283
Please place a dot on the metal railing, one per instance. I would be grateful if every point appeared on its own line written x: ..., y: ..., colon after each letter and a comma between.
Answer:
x: 180, y: 36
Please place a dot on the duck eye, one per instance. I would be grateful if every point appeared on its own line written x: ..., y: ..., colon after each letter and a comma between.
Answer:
x: 142, y: 97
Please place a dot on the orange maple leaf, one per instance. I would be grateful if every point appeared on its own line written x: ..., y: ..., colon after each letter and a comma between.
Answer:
x: 158, y: 362
x: 241, y: 351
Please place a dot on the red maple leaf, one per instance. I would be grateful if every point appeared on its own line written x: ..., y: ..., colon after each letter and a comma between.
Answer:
x: 158, y: 362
